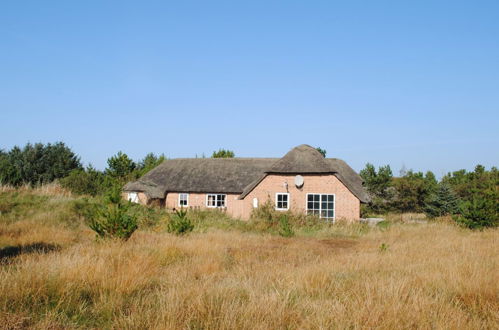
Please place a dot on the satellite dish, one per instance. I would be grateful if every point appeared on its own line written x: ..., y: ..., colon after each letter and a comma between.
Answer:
x: 299, y: 181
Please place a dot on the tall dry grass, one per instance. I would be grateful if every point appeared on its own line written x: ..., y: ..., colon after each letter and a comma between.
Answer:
x: 48, y: 189
x: 426, y: 276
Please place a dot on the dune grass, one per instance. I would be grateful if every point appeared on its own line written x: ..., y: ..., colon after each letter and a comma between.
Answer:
x: 228, y: 274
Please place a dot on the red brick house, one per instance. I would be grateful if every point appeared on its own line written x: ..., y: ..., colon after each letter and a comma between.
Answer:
x: 301, y: 181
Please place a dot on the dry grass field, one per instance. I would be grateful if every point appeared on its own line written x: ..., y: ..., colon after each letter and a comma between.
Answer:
x: 54, y: 274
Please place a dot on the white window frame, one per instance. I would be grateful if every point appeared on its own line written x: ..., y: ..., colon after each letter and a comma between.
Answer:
x: 186, y: 198
x: 288, y: 202
x: 216, y: 200
x: 320, y: 205
x: 133, y: 196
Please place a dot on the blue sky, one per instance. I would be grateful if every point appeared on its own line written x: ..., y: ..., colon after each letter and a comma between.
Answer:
x: 412, y: 83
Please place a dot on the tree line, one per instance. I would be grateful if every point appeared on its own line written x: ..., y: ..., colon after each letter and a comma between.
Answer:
x: 470, y: 197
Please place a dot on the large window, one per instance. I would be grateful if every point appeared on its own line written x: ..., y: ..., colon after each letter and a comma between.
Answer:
x: 215, y: 200
x: 183, y: 200
x: 321, y: 205
x: 282, y: 201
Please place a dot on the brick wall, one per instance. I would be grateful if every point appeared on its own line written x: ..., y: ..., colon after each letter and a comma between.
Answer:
x: 347, y: 206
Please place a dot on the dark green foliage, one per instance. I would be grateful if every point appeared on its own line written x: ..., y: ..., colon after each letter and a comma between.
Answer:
x: 412, y: 191
x: 112, y: 219
x: 180, y: 224
x: 478, y: 213
x: 149, y: 162
x: 285, y: 229
x: 468, y: 184
x: 87, y: 181
x: 442, y: 202
x: 222, y: 153
x: 120, y: 167
x: 479, y: 192
x: 37, y: 164
x: 379, y: 186
x: 322, y: 151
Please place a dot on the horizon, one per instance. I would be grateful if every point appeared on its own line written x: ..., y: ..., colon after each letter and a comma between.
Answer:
x: 405, y: 85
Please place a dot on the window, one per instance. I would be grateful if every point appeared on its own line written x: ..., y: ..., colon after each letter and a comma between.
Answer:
x: 215, y: 200
x: 183, y: 200
x: 255, y: 203
x: 282, y: 201
x: 133, y: 197
x: 321, y: 205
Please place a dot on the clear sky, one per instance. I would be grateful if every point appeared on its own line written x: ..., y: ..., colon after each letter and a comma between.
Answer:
x: 412, y: 83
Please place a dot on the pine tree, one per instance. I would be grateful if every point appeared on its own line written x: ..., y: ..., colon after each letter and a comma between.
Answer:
x: 478, y: 213
x: 442, y: 202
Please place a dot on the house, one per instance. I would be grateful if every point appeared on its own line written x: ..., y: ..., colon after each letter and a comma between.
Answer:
x: 301, y: 181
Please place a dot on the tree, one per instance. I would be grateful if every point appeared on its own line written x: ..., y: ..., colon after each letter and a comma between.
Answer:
x: 322, y: 151
x: 37, y: 163
x: 112, y: 220
x: 120, y: 167
x: 413, y: 190
x: 468, y: 185
x: 149, y: 162
x: 442, y: 202
x: 479, y: 193
x: 478, y: 213
x: 222, y: 153
x: 379, y: 186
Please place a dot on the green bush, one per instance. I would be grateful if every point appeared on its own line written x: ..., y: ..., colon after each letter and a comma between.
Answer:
x: 180, y: 224
x: 87, y: 181
x: 112, y: 219
x: 478, y: 213
x: 266, y: 212
x: 285, y: 229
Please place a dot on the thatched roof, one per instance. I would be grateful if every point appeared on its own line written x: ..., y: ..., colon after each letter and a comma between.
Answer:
x: 223, y: 175
x: 240, y: 175
x: 301, y: 159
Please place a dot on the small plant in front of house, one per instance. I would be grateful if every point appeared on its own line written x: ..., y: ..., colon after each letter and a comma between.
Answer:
x: 383, y: 247
x: 112, y: 220
x: 285, y: 229
x: 180, y: 224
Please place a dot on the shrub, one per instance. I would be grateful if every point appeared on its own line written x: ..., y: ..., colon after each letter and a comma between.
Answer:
x: 87, y: 181
x: 285, y: 229
x: 180, y: 224
x: 112, y: 220
x: 478, y: 213
x: 265, y: 211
